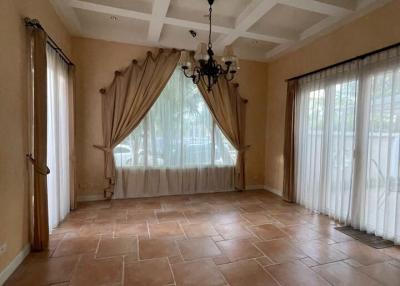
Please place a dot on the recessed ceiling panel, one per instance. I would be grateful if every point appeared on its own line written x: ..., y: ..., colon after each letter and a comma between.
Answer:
x: 224, y: 12
x: 174, y: 36
x: 105, y: 26
x: 144, y: 6
x: 252, y: 49
x: 287, y: 21
x: 281, y: 22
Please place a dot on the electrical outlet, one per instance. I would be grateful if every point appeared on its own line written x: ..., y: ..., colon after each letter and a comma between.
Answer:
x: 3, y: 248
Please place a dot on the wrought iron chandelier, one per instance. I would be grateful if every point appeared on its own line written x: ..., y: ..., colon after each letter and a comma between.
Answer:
x: 206, y: 67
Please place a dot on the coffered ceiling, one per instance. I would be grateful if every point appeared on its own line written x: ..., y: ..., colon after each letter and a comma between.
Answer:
x: 257, y: 29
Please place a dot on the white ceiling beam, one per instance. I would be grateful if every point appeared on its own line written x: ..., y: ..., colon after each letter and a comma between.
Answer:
x: 277, y: 50
x: 89, y: 6
x: 68, y: 15
x: 160, y: 9
x: 365, y: 3
x: 195, y: 25
x: 332, y: 20
x: 336, y: 14
x: 312, y: 31
x: 267, y: 38
x: 253, y: 12
x: 109, y: 10
x: 318, y: 7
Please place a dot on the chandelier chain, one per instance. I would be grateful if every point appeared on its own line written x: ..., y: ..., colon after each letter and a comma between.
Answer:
x: 207, y: 68
x: 209, y: 35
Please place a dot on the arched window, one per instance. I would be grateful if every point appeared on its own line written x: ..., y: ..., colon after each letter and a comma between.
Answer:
x: 177, y: 135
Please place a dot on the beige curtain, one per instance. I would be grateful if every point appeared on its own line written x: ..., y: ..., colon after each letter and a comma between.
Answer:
x: 71, y: 117
x: 288, y: 152
x: 128, y: 99
x: 40, y: 234
x: 229, y: 110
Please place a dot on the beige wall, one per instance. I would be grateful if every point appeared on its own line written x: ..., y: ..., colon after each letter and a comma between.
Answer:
x: 96, y: 62
x: 373, y: 31
x: 13, y: 115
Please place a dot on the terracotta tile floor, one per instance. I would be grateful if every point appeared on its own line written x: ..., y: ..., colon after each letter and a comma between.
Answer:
x: 237, y: 238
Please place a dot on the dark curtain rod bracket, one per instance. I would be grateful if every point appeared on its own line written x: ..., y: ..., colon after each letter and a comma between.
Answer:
x: 36, y: 24
x: 360, y: 57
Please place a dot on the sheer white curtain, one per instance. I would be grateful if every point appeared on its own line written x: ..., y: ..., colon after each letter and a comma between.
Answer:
x: 347, y: 141
x: 176, y: 149
x: 376, y: 203
x: 324, y: 138
x: 57, y: 138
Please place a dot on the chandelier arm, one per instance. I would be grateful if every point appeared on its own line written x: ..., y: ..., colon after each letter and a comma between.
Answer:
x: 209, y: 70
x: 196, y: 78
x: 221, y: 70
x: 229, y: 78
x: 186, y: 75
x: 228, y: 67
x: 196, y: 75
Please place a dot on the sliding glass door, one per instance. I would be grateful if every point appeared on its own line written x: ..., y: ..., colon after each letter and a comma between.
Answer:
x: 376, y: 205
x: 347, y: 143
x: 325, y: 136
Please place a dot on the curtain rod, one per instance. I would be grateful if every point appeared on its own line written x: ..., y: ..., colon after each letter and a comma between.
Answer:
x: 360, y: 57
x: 36, y: 24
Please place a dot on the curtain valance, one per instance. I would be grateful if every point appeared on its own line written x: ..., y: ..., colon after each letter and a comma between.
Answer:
x: 129, y: 97
x: 229, y: 110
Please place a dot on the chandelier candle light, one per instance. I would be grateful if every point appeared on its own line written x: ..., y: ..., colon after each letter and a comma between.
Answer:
x: 207, y: 68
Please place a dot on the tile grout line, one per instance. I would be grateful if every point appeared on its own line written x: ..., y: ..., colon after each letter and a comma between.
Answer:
x: 179, y: 250
x: 75, y: 268
x: 270, y: 275
x: 123, y: 271
x: 253, y: 241
x: 137, y: 247
x: 97, y: 247
x: 270, y: 259
x: 172, y: 272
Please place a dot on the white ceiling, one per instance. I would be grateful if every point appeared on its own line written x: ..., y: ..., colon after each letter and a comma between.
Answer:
x: 257, y: 29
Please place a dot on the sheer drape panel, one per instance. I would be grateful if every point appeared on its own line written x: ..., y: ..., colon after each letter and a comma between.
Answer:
x: 347, y: 143
x: 376, y: 205
x: 58, y: 139
x: 288, y: 153
x: 40, y: 234
x: 129, y: 98
x: 229, y: 110
x: 324, y: 140
x: 141, y: 182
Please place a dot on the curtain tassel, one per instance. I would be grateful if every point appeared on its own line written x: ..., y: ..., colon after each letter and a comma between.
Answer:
x: 244, y: 149
x: 103, y: 148
x: 41, y: 169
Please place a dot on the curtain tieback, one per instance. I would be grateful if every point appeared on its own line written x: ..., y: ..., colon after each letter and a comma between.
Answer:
x: 244, y: 149
x: 41, y: 169
x: 103, y: 148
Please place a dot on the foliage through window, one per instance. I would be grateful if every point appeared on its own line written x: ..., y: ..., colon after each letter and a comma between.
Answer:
x: 178, y: 132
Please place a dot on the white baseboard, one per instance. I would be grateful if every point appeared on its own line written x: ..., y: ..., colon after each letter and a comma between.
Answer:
x: 264, y: 187
x: 255, y: 187
x: 275, y: 191
x: 10, y: 268
x: 91, y: 198
x: 100, y: 197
